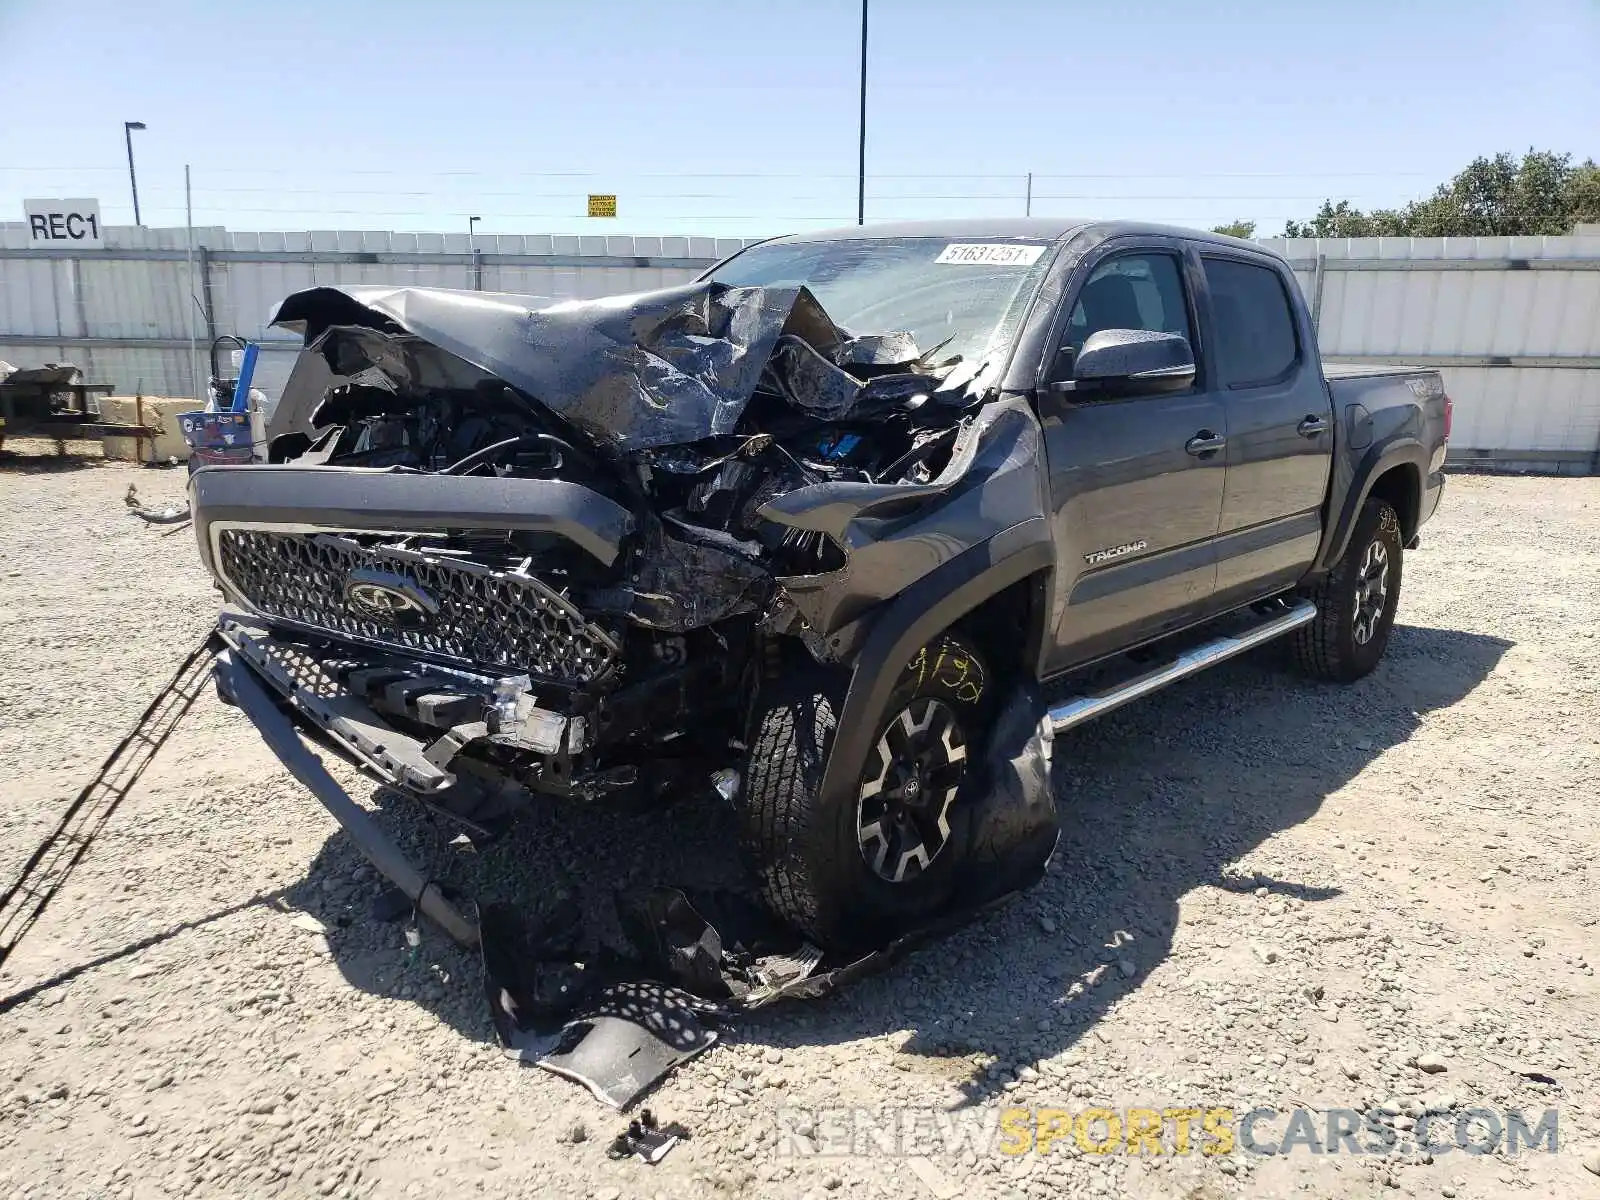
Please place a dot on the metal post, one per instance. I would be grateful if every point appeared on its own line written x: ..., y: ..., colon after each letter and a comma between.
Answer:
x: 205, y: 297
x: 861, y: 168
x: 80, y: 312
x: 477, y: 259
x: 1027, y: 205
x: 133, y: 180
x: 188, y: 309
x: 1317, y: 276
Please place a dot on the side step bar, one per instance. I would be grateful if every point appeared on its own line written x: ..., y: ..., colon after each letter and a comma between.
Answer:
x: 1191, y: 662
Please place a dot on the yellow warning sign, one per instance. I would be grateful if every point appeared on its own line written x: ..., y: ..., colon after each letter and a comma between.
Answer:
x: 602, y: 206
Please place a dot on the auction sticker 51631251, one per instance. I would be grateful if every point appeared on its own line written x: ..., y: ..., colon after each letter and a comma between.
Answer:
x: 990, y: 254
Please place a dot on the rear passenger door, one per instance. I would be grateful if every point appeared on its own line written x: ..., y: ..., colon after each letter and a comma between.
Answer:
x: 1280, y: 424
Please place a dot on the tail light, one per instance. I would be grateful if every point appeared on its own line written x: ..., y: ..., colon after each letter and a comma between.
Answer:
x: 1449, y: 414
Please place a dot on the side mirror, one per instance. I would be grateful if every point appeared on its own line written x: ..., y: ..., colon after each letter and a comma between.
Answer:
x: 1132, y: 362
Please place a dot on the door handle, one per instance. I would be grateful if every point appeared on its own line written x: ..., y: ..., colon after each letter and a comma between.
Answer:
x: 1205, y: 442
x: 1311, y: 426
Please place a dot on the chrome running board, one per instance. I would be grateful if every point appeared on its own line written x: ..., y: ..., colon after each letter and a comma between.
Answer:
x: 1191, y: 662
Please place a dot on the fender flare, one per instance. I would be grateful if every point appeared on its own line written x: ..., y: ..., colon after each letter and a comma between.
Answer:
x: 1376, y: 462
x: 927, y: 608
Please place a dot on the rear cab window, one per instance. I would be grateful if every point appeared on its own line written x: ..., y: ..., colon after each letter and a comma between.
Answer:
x: 1253, y: 318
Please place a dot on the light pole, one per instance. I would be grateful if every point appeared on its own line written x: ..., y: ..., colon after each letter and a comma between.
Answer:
x: 472, y: 232
x: 861, y: 168
x: 127, y: 135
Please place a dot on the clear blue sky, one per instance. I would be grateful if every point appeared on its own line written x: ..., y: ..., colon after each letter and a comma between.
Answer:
x: 740, y: 119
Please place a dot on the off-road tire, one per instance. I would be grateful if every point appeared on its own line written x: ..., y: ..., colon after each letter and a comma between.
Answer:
x: 807, y: 853
x: 1328, y: 646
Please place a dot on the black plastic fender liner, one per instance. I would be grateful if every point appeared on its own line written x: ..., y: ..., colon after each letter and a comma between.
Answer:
x: 910, y: 622
x: 240, y: 685
x: 1007, y: 823
x: 383, y: 501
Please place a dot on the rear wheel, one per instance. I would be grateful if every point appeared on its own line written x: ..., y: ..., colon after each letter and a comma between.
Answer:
x: 861, y: 868
x: 1355, y: 601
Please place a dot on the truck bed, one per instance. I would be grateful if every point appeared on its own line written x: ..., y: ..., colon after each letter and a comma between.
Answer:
x: 1402, y: 389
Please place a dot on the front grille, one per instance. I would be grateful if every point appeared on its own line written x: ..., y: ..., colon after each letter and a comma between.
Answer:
x: 476, y: 614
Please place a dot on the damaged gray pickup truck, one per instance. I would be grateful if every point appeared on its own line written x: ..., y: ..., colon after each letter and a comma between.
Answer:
x: 824, y: 531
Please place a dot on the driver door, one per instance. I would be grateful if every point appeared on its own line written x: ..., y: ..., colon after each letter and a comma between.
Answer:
x: 1136, y: 481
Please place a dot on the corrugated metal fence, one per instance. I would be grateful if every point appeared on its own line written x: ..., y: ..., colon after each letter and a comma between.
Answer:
x: 1514, y: 323
x: 127, y: 314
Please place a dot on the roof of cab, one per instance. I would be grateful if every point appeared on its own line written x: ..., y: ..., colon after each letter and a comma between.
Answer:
x: 1042, y: 228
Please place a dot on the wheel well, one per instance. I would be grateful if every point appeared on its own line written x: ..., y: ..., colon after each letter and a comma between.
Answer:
x: 1401, y: 487
x: 1007, y: 627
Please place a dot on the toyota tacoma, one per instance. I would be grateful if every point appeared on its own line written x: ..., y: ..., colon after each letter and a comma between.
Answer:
x: 810, y: 531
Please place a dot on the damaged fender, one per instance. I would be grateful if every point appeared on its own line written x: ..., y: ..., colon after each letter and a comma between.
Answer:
x: 1023, y: 553
x: 896, y: 534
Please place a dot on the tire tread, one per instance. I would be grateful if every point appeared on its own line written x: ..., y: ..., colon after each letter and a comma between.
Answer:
x: 781, y: 808
x: 785, y: 832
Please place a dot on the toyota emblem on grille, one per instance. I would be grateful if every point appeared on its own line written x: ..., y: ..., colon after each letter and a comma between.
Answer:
x: 387, y: 597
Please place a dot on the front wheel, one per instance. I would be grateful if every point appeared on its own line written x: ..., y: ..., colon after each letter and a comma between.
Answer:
x: 1355, y: 601
x: 860, y: 869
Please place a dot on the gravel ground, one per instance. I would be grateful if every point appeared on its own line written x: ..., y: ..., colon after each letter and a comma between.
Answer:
x: 1270, y: 892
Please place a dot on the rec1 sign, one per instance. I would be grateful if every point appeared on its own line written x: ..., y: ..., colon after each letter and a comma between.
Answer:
x: 62, y: 223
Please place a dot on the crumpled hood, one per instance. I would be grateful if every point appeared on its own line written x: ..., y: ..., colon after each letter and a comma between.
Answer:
x: 630, y: 372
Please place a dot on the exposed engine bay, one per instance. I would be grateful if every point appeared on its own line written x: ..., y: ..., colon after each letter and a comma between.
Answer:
x: 809, y: 421
x: 726, y: 464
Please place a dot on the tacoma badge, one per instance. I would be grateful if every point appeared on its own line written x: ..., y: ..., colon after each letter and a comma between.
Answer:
x: 1110, y: 552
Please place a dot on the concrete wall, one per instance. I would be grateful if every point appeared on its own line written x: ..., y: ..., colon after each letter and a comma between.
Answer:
x: 159, y: 413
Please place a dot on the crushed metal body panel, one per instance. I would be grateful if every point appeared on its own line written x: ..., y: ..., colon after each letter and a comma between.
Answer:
x: 630, y: 372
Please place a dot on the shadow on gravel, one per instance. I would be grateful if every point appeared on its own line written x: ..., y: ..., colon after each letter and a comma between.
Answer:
x: 7, y: 1003
x: 1159, y: 798
x: 40, y: 458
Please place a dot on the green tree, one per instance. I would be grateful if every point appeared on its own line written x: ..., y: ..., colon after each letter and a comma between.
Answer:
x: 1584, y: 191
x: 1238, y: 229
x: 1543, y: 193
x: 1345, y: 220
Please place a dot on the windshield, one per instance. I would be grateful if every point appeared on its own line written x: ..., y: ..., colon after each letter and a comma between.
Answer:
x: 959, y: 296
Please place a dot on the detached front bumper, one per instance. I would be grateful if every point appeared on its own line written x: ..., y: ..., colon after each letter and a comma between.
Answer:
x: 317, y: 697
x: 240, y: 685
x: 404, y: 721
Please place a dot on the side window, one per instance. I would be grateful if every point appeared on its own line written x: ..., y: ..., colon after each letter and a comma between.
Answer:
x: 1256, y: 340
x: 1131, y: 291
